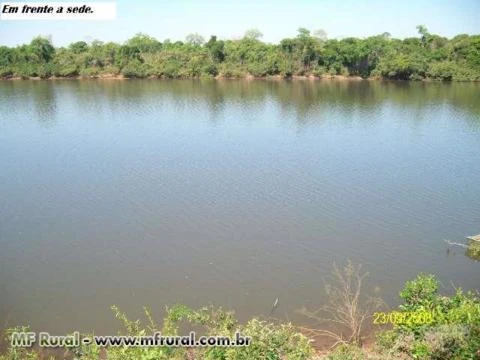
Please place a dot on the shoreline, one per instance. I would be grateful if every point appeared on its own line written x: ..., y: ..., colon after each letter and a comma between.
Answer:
x: 218, y: 77
x: 247, y: 77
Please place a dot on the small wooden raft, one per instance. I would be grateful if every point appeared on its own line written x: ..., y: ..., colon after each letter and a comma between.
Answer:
x: 474, y: 238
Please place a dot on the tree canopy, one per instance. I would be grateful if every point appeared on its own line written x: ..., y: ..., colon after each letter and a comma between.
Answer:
x: 427, y: 56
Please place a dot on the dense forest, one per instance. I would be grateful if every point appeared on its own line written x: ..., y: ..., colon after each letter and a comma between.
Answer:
x: 427, y: 56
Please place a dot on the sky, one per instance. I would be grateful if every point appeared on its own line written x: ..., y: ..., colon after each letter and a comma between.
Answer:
x: 276, y: 19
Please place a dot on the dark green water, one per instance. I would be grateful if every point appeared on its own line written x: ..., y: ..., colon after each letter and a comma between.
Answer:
x: 230, y: 192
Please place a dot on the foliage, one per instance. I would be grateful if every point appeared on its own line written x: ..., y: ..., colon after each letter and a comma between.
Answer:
x: 420, y: 292
x: 18, y: 353
x: 268, y: 340
x: 453, y: 333
x: 353, y: 352
x: 473, y: 250
x: 427, y: 56
x: 346, y: 352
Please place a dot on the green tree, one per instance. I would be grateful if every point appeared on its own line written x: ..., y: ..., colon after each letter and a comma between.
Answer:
x: 144, y: 43
x: 425, y: 36
x: 78, y: 47
x: 41, y: 49
x: 427, y: 56
x: 216, y: 49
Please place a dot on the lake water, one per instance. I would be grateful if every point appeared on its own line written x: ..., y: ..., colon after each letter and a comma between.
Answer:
x: 233, y: 193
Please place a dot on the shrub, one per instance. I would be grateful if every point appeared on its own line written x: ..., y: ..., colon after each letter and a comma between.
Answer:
x: 171, y: 70
x: 420, y: 292
x: 446, y: 341
x: 66, y: 70
x: 90, y: 71
x: 268, y: 340
x: 319, y: 70
x: 26, y: 70
x: 473, y: 250
x: 386, y: 340
x: 18, y: 353
x: 442, y: 70
x: 346, y: 352
x: 332, y: 71
x: 6, y: 71
x: 134, y: 69
x: 230, y: 71
x: 454, y: 332
x: 344, y: 71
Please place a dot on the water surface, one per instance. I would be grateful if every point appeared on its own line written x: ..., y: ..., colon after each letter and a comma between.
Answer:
x: 227, y: 192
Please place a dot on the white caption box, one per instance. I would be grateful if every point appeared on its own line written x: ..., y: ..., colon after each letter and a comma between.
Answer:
x: 51, y: 10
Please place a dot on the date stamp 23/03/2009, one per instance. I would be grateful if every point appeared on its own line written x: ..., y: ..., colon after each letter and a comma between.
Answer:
x: 403, y: 318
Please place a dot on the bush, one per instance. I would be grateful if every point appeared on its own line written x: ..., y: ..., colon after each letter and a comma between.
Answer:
x: 446, y: 341
x: 454, y: 332
x: 135, y: 69
x: 268, y: 340
x: 18, y: 353
x: 473, y: 250
x: 332, y: 71
x: 420, y: 292
x: 387, y: 339
x: 6, y: 72
x: 230, y: 71
x: 319, y: 70
x: 171, y: 70
x: 346, y: 352
x: 90, y: 71
x: 110, y: 69
x: 463, y: 73
x: 66, y: 70
x: 258, y: 70
x: 210, y: 70
x: 344, y: 71
x: 442, y: 70
x: 26, y: 70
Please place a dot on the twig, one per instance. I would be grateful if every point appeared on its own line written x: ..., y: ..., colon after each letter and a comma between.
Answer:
x: 455, y: 243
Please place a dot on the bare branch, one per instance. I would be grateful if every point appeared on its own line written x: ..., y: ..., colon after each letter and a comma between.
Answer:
x: 344, y: 311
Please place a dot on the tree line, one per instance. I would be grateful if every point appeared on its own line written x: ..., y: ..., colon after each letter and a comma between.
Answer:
x: 427, y: 56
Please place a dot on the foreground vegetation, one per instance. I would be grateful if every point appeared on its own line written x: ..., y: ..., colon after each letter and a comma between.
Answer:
x: 428, y: 56
x: 452, y: 333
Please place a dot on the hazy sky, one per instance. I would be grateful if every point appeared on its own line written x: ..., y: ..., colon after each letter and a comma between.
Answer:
x: 276, y: 19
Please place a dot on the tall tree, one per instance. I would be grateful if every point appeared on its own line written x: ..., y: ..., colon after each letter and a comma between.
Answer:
x: 320, y: 35
x: 195, y: 39
x: 42, y: 49
x: 425, y: 38
x: 216, y: 49
x: 253, y: 34
x: 144, y: 43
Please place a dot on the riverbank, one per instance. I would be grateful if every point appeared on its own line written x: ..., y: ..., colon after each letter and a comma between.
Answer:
x: 450, y: 331
x: 218, y: 77
x: 248, y: 77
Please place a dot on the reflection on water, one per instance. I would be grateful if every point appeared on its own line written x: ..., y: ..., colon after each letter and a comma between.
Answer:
x: 306, y: 100
x: 227, y: 192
